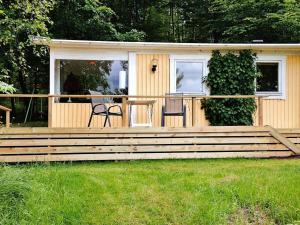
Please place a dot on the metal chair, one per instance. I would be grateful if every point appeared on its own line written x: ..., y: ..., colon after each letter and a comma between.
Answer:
x: 99, y: 108
x: 173, y: 107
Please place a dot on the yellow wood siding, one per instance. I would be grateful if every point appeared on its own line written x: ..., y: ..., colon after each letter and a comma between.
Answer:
x: 285, y: 113
x: 77, y: 115
x: 280, y: 113
x: 158, y: 83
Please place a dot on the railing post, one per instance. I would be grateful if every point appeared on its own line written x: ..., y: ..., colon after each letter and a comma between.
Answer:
x: 124, y: 109
x: 260, y: 111
x: 50, y: 108
x: 7, y: 118
x: 193, y: 111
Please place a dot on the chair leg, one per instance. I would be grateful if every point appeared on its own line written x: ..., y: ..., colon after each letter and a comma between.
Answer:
x: 162, y: 117
x: 184, y: 117
x: 106, y: 117
x: 90, y: 120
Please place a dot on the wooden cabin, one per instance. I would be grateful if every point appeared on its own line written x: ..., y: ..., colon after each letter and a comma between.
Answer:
x: 151, y: 71
x: 127, y: 73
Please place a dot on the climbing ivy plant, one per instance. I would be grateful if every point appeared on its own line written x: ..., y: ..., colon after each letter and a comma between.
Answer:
x: 231, y: 74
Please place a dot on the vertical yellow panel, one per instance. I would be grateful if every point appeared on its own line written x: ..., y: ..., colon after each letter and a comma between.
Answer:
x: 151, y: 84
x: 77, y: 115
x: 285, y: 113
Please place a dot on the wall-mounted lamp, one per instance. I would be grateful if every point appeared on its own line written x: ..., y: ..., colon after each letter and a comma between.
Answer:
x: 154, y: 63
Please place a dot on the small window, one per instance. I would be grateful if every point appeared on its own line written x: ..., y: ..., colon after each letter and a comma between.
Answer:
x: 269, y: 79
x: 189, y: 76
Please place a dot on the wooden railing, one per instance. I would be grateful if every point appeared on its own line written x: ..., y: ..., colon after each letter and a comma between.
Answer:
x: 193, y: 98
x: 7, y: 115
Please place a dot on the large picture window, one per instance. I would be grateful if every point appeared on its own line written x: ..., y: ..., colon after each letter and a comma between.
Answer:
x: 189, y: 76
x: 79, y: 76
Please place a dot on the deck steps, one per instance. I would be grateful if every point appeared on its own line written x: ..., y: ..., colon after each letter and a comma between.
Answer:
x: 79, y: 144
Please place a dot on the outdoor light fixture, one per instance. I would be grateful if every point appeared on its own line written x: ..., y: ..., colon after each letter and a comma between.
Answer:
x: 154, y: 65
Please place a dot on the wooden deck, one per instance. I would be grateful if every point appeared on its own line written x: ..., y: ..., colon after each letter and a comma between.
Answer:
x: 67, y: 144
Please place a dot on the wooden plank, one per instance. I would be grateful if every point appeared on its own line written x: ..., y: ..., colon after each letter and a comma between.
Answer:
x: 134, y: 135
x: 125, y: 115
x: 50, y: 109
x: 7, y: 119
x: 194, y: 117
x: 141, y: 102
x: 158, y: 148
x: 142, y: 156
x: 287, y: 142
x: 288, y: 130
x: 4, y: 108
x: 295, y: 140
x: 291, y: 135
x: 133, y: 130
x: 138, y: 141
x: 260, y: 111
x: 121, y: 96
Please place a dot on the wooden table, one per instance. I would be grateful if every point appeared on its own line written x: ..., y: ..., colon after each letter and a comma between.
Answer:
x: 149, y: 104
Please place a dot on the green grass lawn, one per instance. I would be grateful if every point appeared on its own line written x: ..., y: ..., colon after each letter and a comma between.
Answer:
x: 234, y: 191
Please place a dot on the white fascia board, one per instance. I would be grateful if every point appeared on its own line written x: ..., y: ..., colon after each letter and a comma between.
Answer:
x: 88, y: 54
x: 133, y: 46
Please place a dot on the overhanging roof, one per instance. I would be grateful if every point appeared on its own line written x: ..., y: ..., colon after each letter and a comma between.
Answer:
x: 60, y: 43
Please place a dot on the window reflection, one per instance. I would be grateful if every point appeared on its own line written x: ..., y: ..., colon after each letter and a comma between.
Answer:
x: 78, y: 76
x: 189, y: 77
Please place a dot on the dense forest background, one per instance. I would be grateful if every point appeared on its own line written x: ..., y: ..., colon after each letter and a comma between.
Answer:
x: 25, y: 66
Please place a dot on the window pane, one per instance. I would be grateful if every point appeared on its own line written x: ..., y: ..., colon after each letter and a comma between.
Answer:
x: 189, y: 77
x: 269, y: 79
x: 78, y: 76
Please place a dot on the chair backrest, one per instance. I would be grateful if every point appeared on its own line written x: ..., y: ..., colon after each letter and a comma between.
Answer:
x: 174, y: 105
x: 96, y: 101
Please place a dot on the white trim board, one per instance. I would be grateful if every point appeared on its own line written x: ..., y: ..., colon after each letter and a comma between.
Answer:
x: 132, y: 82
x: 133, y: 46
x: 89, y: 54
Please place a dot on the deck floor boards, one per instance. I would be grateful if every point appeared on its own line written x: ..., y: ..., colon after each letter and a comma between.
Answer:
x: 63, y: 144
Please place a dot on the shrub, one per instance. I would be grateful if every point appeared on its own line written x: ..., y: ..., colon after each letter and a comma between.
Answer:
x: 231, y: 74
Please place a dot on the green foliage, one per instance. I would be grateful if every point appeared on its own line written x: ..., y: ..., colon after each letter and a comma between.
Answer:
x: 13, y: 191
x: 210, y: 20
x: 231, y: 74
x: 132, y: 35
x: 20, y: 59
x: 88, y: 20
x: 246, y: 20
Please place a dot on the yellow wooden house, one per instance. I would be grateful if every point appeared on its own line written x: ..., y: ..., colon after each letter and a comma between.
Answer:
x: 151, y: 69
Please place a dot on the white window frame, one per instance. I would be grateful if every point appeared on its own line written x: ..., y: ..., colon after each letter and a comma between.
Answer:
x: 281, y: 60
x: 203, y: 58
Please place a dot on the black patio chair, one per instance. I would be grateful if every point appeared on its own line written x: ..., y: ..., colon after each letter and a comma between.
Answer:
x: 99, y: 108
x: 173, y: 107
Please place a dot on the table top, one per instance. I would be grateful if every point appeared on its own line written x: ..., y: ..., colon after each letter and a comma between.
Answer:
x: 141, y: 102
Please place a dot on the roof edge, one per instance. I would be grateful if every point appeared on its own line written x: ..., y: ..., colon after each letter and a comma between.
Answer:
x: 162, y: 45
